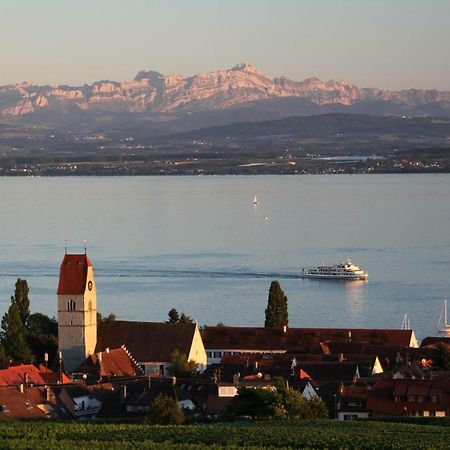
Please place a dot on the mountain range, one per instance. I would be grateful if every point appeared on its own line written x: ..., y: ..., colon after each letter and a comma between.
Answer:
x: 167, y: 104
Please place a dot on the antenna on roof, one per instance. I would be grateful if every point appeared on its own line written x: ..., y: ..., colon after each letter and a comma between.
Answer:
x: 85, y: 246
x: 65, y: 246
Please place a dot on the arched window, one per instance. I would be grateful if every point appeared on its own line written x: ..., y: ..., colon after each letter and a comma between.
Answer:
x: 71, y: 305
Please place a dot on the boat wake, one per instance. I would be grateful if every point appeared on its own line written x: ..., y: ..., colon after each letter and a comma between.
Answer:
x: 192, y: 273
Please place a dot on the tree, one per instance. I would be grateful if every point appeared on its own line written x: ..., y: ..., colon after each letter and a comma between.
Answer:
x: 180, y: 366
x: 165, y: 411
x: 441, y: 357
x: 279, y: 402
x: 42, y: 336
x: 101, y: 321
x: 174, y: 317
x: 277, y: 307
x: 14, y: 335
x: 184, y: 318
x: 22, y: 300
x: 254, y: 402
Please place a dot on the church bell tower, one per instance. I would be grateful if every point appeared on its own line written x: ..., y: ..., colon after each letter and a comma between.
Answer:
x: 77, y: 310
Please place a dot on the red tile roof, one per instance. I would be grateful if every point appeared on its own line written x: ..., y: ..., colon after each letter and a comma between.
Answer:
x: 114, y: 363
x: 73, y: 274
x: 17, y: 405
x: 294, y: 339
x: 28, y: 373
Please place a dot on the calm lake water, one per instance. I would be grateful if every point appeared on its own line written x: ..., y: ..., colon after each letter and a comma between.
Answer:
x: 199, y: 244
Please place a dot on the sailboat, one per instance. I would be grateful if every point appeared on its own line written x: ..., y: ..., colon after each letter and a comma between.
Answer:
x: 445, y: 329
x: 255, y: 200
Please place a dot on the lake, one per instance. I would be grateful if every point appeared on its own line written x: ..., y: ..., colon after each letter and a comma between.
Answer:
x: 199, y: 244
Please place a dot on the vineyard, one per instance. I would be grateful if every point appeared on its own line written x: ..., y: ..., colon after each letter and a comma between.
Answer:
x: 313, y: 434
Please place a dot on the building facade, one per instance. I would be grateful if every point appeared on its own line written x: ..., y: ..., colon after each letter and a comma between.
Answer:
x: 77, y: 310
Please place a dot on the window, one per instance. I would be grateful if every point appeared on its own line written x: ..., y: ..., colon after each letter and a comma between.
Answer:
x: 71, y: 305
x: 350, y: 416
x: 421, y: 398
x: 411, y: 398
x: 354, y: 403
x: 434, y: 399
x: 217, y: 354
x: 209, y: 354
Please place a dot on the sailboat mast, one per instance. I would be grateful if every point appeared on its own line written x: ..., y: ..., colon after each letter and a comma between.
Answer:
x: 445, y: 312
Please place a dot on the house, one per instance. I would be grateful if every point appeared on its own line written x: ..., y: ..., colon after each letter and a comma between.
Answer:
x: 140, y: 401
x: 223, y: 341
x: 152, y: 343
x: 77, y: 401
x: 106, y: 365
x: 410, y: 397
x: 353, y: 402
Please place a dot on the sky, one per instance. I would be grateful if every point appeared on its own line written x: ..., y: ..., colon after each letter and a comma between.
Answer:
x: 391, y: 44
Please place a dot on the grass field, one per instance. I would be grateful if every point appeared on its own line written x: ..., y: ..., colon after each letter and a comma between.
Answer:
x: 314, y: 434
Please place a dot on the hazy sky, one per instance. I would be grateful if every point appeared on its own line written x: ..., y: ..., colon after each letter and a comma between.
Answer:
x: 383, y: 43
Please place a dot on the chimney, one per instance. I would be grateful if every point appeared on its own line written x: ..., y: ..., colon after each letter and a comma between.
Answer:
x: 350, y: 336
x: 284, y: 329
x: 107, y: 349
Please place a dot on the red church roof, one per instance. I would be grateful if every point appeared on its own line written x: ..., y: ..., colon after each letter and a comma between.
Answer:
x: 73, y: 274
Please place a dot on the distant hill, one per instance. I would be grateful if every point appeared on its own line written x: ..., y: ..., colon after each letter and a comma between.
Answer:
x: 329, y: 126
x: 171, y: 103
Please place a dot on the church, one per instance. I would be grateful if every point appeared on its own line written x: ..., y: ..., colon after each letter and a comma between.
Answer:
x: 149, y: 343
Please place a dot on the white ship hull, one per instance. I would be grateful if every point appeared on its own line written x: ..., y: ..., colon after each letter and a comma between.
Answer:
x: 335, y: 277
x: 345, y: 271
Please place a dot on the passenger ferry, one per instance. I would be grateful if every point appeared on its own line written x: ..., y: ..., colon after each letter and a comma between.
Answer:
x: 344, y: 271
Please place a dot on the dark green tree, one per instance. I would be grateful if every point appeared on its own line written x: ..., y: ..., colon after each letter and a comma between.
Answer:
x: 180, y: 366
x: 441, y: 357
x: 280, y: 402
x: 101, y: 321
x: 22, y: 299
x: 14, y: 335
x: 174, y: 317
x: 42, y: 336
x: 277, y: 307
x: 184, y: 318
x: 165, y: 411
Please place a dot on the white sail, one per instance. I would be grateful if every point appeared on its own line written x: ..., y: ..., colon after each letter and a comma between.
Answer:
x: 445, y: 328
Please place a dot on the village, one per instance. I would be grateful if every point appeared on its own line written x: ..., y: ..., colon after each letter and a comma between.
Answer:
x: 116, y: 369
